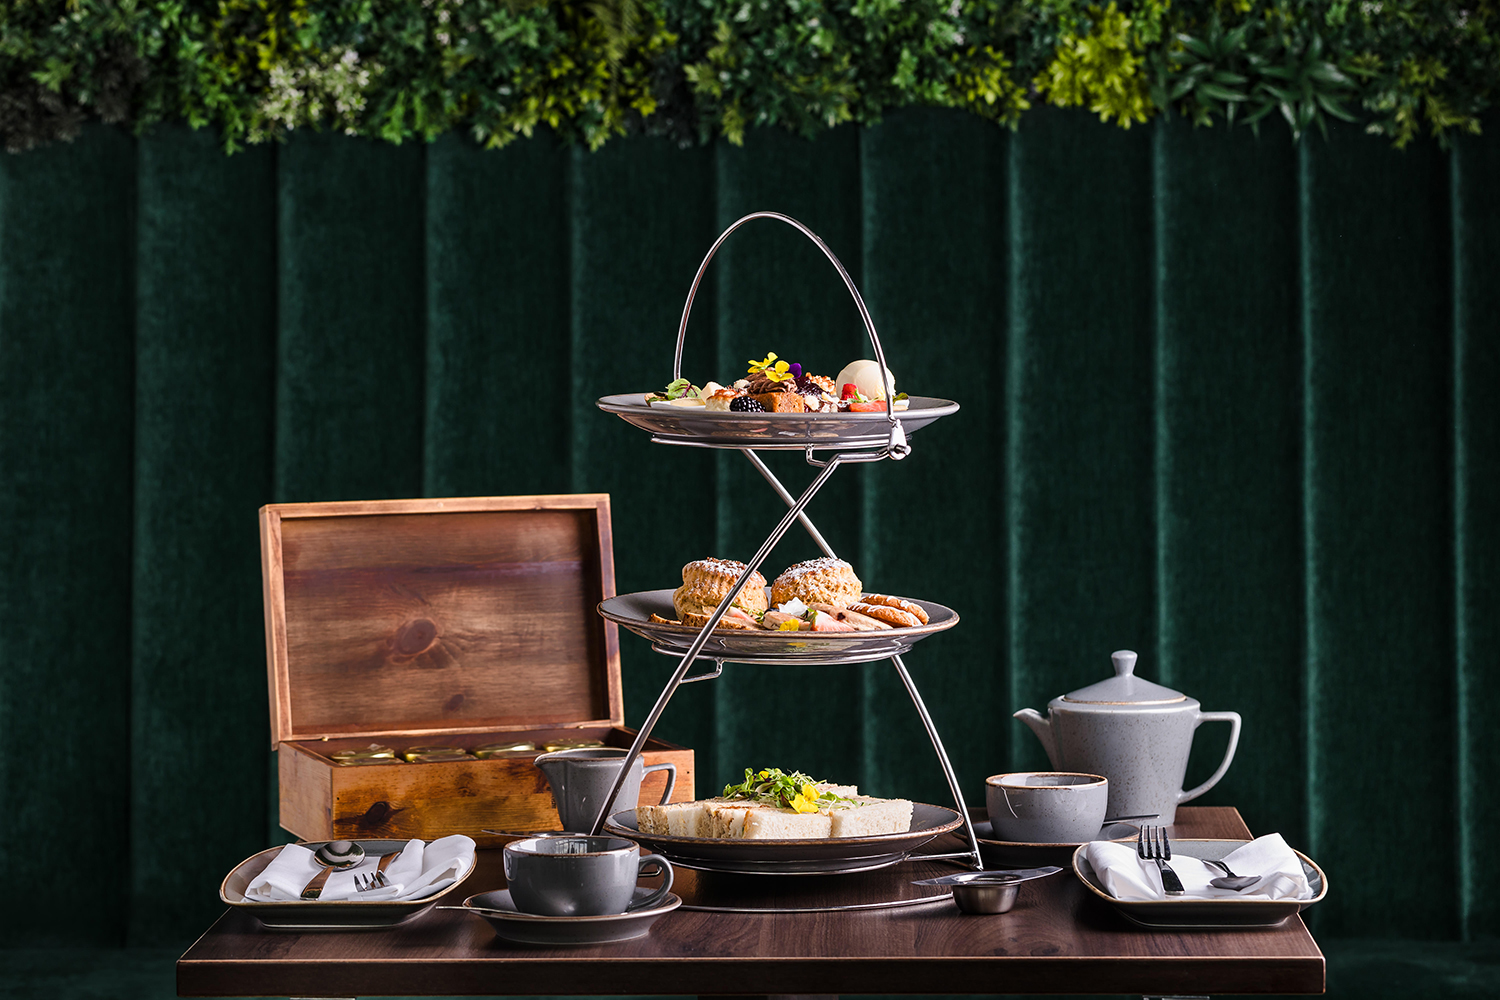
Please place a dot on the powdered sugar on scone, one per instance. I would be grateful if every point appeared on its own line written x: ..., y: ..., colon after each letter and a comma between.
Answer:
x: 824, y: 580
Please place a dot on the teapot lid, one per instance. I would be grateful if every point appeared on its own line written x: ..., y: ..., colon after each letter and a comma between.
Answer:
x: 1124, y: 688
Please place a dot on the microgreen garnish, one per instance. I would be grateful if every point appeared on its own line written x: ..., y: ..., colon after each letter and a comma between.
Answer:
x: 675, y: 389
x: 774, y: 787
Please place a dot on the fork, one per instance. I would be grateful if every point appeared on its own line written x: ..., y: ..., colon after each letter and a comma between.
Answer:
x: 1153, y: 845
x: 365, y: 881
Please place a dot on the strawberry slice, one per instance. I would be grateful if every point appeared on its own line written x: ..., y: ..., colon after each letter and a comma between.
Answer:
x: 848, y: 390
x: 737, y: 613
x: 825, y: 622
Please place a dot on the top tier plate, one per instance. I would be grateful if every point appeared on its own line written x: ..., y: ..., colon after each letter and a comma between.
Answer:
x: 772, y: 431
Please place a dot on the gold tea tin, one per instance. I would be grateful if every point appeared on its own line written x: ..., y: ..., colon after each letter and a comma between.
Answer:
x: 433, y: 758
x: 416, y: 752
x: 372, y: 752
x: 367, y: 761
x: 555, y: 745
x: 498, y: 749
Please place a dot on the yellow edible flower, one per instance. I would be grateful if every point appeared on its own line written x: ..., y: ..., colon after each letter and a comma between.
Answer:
x: 789, y: 626
x: 806, y: 800
x: 776, y: 371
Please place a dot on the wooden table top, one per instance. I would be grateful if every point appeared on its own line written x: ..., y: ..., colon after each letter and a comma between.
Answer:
x: 1058, y: 938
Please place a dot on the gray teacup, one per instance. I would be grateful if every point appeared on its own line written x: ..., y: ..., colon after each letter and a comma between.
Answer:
x: 1046, y: 807
x: 576, y: 876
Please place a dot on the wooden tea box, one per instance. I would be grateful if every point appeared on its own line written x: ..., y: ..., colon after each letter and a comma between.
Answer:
x: 459, y: 622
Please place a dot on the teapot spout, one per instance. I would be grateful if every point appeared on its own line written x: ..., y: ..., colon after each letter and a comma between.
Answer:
x: 1043, y: 729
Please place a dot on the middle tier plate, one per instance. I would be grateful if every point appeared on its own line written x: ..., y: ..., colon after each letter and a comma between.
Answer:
x: 634, y: 611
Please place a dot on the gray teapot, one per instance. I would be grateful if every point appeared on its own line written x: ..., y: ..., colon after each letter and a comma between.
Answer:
x: 1133, y: 732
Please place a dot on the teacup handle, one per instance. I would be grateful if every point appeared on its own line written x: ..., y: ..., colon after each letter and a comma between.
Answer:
x: 664, y: 869
x: 1233, y: 718
x: 671, y: 770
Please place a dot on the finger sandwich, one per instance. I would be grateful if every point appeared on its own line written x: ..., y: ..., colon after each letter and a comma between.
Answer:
x: 826, y: 811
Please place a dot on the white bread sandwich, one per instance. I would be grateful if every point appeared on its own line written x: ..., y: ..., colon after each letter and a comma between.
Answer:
x: 773, y: 805
x: 675, y: 819
x: 869, y: 816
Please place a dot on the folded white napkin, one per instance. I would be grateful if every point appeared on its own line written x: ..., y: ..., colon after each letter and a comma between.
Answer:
x: 421, y: 870
x: 1125, y: 876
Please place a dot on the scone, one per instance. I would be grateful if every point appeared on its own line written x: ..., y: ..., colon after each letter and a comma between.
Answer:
x: 818, y: 581
x: 706, y: 581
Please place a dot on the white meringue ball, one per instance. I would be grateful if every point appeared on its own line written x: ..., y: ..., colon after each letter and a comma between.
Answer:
x: 865, y: 375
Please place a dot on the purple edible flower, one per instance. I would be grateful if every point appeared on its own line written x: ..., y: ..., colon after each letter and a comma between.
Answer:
x: 796, y: 370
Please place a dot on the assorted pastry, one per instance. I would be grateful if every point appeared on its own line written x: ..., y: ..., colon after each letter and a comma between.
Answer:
x: 772, y: 804
x: 818, y: 595
x: 773, y: 385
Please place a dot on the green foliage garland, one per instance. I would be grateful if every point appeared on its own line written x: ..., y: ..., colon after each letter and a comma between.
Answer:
x: 695, y: 69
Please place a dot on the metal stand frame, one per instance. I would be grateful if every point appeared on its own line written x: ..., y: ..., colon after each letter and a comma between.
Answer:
x: 896, y: 448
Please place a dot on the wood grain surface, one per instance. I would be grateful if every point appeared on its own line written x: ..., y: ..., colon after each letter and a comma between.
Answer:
x: 457, y: 621
x: 321, y: 800
x: 1057, y: 939
x: 439, y: 616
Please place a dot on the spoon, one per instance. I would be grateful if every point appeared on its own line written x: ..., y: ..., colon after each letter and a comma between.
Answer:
x: 335, y: 855
x: 992, y: 877
x: 1233, y: 882
x: 339, y: 854
x: 481, y: 910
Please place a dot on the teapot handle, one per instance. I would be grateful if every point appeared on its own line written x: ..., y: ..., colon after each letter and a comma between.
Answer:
x: 1233, y: 718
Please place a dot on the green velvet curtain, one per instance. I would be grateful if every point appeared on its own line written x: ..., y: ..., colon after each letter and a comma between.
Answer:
x: 1227, y: 401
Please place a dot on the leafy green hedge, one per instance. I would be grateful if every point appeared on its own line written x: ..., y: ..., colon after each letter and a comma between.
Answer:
x: 694, y: 69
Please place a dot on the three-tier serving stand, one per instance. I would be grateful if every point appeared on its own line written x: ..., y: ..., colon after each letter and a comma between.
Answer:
x: 849, y: 438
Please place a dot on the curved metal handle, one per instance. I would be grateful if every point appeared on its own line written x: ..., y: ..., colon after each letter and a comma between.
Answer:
x: 898, y: 447
x: 1233, y: 718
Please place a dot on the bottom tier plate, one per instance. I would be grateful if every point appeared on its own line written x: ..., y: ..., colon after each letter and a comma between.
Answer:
x: 826, y: 856
x: 891, y: 887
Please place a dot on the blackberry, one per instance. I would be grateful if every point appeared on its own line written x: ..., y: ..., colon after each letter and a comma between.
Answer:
x: 746, y: 404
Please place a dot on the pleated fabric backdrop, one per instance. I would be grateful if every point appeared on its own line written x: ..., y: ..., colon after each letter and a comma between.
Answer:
x: 1227, y: 401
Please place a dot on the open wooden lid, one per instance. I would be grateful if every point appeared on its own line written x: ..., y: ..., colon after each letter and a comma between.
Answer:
x: 439, y: 616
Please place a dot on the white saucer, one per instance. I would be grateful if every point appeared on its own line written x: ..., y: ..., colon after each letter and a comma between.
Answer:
x: 511, y: 924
